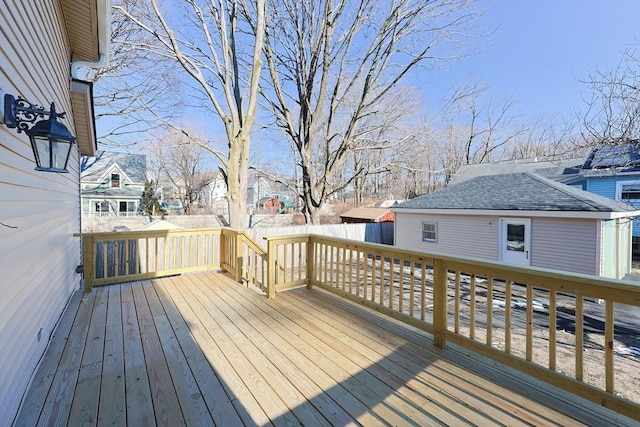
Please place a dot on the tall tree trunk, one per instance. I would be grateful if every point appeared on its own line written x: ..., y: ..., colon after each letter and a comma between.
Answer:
x: 237, y: 178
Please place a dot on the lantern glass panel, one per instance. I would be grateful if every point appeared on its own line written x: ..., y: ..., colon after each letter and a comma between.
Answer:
x: 41, y: 151
x: 60, y: 153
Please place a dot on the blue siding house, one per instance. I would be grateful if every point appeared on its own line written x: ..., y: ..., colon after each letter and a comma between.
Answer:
x: 613, y: 171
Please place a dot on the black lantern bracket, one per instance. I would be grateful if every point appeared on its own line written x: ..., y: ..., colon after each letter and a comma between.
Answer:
x: 19, y: 113
x: 50, y: 140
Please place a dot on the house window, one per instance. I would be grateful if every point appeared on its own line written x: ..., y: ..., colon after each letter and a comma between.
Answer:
x: 127, y: 208
x: 628, y: 192
x: 101, y: 207
x: 115, y: 180
x: 430, y: 231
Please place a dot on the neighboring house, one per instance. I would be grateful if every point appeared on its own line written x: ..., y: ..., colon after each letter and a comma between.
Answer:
x: 522, y: 219
x: 261, y: 188
x: 42, y: 44
x: 366, y: 215
x: 270, y: 205
x: 112, y: 184
x: 214, y: 192
x: 614, y: 172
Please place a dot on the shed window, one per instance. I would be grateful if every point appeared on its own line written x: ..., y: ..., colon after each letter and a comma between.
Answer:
x: 115, y: 180
x: 430, y: 231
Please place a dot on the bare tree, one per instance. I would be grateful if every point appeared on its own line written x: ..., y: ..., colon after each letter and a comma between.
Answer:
x: 219, y: 55
x: 181, y: 162
x: 331, y: 63
x: 547, y: 138
x: 612, y: 113
x: 479, y: 130
x: 128, y: 99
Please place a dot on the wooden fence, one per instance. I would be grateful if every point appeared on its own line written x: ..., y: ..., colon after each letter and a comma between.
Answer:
x: 510, y: 314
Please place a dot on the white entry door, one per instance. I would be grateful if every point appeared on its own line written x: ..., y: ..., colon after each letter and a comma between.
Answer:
x: 515, y: 241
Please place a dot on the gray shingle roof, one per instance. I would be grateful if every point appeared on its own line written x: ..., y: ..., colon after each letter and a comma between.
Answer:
x: 519, y: 192
x: 550, y: 169
x: 133, y: 165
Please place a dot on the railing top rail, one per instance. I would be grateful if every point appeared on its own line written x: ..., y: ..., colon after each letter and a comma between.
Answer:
x: 292, y: 237
x: 143, y: 233
x: 254, y: 245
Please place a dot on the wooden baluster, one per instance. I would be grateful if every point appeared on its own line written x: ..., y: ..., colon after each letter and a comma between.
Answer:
x: 456, y: 320
x: 358, y: 252
x: 374, y: 271
x: 392, y: 281
x: 472, y: 308
x: 412, y: 284
x: 552, y: 329
x: 529, y: 337
x: 489, y: 340
x: 608, y: 345
x: 423, y: 289
x: 579, y: 346
x: 507, y: 317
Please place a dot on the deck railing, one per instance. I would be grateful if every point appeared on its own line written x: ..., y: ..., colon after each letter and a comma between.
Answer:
x: 117, y: 257
x: 539, y: 321
x: 510, y: 314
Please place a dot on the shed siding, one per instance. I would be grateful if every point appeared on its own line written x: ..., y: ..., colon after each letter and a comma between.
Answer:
x: 562, y: 244
x: 616, y: 233
x: 39, y: 211
x: 608, y: 249
x: 565, y: 244
x: 475, y: 236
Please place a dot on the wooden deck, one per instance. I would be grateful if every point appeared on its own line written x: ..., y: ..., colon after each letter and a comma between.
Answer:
x: 201, y: 349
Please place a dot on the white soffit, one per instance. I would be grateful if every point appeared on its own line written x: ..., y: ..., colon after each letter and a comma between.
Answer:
x: 82, y: 105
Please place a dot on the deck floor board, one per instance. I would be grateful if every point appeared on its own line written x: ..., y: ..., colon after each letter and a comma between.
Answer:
x: 201, y: 349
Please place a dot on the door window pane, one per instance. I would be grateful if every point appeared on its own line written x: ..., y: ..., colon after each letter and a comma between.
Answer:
x: 515, y: 237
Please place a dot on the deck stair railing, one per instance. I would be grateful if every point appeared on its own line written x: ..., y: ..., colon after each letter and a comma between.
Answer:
x: 536, y: 320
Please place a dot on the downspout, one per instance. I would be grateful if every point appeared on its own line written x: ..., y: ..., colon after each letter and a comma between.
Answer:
x: 104, y: 39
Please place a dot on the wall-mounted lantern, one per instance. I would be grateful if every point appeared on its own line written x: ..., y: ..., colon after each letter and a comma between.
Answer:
x: 51, y: 141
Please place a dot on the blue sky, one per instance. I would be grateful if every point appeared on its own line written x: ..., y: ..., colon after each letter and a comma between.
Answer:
x: 541, y: 48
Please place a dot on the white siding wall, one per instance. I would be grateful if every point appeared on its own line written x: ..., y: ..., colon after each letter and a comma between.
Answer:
x: 39, y: 210
x: 565, y: 244
x: 473, y: 236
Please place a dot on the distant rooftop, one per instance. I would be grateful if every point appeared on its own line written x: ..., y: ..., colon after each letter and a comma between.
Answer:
x: 519, y: 191
x: 133, y: 165
x: 553, y: 169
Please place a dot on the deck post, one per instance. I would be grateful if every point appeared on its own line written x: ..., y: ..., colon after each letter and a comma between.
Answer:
x: 223, y: 248
x: 271, y: 268
x: 439, y: 302
x: 238, y: 256
x: 89, y: 262
x: 310, y: 261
